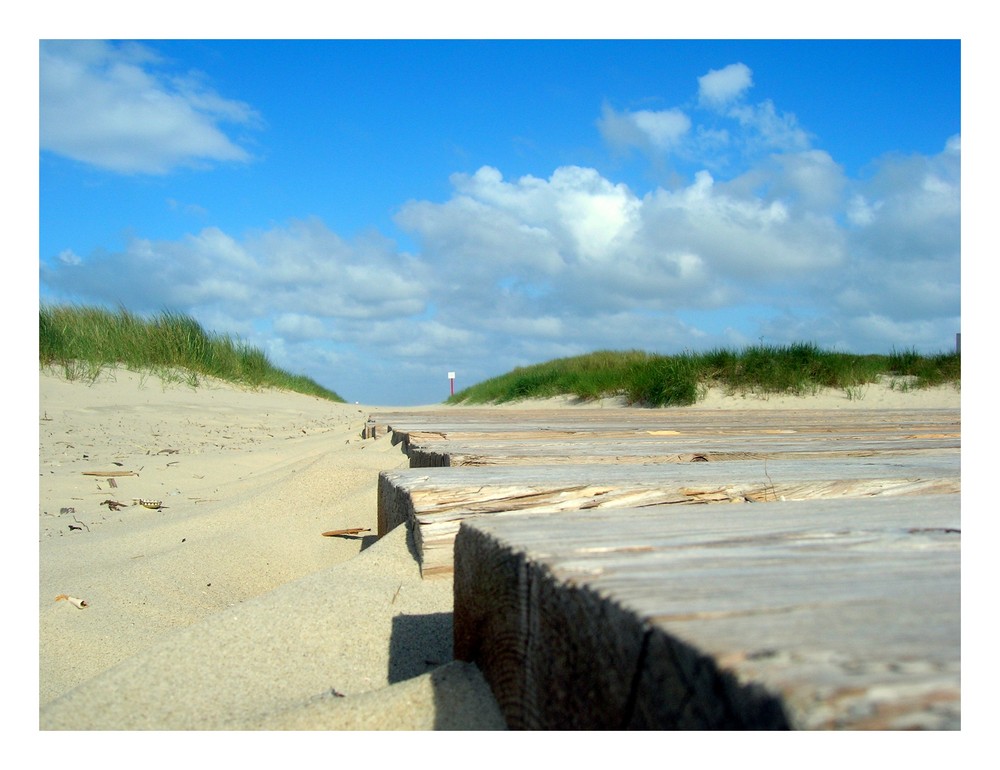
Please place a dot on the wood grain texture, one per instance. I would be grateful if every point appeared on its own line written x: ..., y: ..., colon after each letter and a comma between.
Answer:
x: 437, y: 500
x: 812, y: 615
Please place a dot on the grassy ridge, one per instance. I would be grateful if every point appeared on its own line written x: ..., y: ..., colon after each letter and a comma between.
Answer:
x: 657, y: 380
x: 84, y: 340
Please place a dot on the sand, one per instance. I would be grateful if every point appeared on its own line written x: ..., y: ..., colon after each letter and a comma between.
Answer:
x: 226, y: 608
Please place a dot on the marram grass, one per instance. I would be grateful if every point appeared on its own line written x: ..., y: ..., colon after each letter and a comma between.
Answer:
x: 657, y: 380
x: 83, y: 341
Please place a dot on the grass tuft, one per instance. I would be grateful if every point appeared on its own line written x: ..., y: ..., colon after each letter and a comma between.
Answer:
x: 83, y: 341
x: 646, y: 379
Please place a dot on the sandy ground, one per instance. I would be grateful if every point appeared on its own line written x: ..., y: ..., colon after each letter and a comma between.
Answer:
x: 226, y: 608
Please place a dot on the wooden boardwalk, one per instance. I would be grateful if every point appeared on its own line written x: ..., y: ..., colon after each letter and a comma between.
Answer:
x: 694, y: 569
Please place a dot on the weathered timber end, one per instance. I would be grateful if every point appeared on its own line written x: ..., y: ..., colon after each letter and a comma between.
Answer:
x: 825, y: 614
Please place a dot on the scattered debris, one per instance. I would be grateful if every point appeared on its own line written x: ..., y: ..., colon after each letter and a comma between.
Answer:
x: 113, y: 505
x: 351, y: 531
x: 108, y: 474
x: 78, y: 603
x: 63, y: 511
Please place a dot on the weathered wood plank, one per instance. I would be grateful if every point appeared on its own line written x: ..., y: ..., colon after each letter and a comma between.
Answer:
x: 448, y: 453
x: 837, y: 614
x: 468, y: 423
x: 436, y: 500
x: 454, y: 437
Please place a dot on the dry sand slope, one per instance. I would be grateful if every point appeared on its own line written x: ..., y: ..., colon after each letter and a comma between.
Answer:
x: 226, y: 608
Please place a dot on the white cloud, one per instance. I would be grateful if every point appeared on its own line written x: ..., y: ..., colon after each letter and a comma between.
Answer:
x: 302, y: 266
x: 809, y: 180
x: 721, y: 132
x: 767, y: 129
x: 575, y: 214
x: 601, y: 249
x: 69, y: 257
x: 652, y: 132
x: 297, y: 327
x: 861, y: 211
x: 720, y: 88
x: 910, y: 209
x: 741, y: 238
x: 105, y: 105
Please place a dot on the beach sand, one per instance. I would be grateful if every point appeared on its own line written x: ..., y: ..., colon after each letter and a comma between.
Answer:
x: 226, y: 608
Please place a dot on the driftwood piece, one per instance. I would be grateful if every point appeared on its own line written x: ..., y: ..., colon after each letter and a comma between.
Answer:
x: 350, y: 531
x: 822, y: 614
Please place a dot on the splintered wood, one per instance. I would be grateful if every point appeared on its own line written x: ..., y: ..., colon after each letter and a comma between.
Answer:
x: 694, y: 569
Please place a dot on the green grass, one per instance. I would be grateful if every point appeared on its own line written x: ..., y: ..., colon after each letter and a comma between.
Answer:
x: 83, y: 341
x: 656, y: 380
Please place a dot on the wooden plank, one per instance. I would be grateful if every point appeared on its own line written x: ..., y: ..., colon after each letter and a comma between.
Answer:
x: 451, y: 453
x: 436, y: 500
x: 445, y: 438
x: 467, y: 423
x: 822, y: 614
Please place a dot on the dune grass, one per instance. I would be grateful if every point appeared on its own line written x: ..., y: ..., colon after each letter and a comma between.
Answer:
x: 656, y: 380
x: 83, y: 341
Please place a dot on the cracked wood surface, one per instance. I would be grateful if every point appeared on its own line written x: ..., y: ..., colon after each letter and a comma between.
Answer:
x: 436, y: 500
x: 822, y: 614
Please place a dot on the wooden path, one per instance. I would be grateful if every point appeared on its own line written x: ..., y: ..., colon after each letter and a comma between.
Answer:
x: 694, y: 569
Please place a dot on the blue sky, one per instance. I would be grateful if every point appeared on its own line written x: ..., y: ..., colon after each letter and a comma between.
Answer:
x: 377, y: 214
